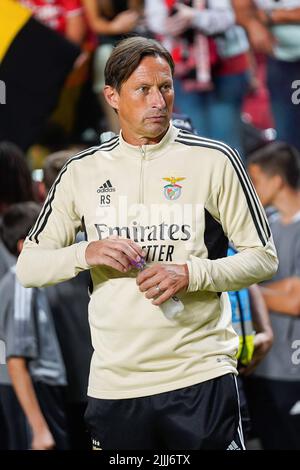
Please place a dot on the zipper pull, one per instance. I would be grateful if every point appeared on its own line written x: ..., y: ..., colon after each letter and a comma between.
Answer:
x: 143, y: 151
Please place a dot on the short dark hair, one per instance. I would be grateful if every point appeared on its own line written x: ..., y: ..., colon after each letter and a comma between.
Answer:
x: 53, y: 164
x: 128, y: 54
x: 16, y: 223
x: 278, y: 158
x: 15, y: 176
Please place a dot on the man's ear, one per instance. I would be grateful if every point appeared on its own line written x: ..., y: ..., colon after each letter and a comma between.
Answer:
x: 20, y: 244
x: 112, y: 96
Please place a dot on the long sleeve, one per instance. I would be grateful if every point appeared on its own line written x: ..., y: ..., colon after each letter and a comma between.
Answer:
x: 156, y: 13
x: 214, y: 21
x: 49, y: 254
x: 237, y: 209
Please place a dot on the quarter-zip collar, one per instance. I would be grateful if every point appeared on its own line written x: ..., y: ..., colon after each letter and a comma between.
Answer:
x: 149, y: 150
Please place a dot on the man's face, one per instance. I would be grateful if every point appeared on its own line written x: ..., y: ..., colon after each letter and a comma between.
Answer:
x: 267, y: 186
x: 145, y: 101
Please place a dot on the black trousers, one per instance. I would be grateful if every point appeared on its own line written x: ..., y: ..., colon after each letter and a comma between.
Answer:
x: 16, y: 433
x: 202, y: 416
x: 274, y: 412
x: 51, y: 402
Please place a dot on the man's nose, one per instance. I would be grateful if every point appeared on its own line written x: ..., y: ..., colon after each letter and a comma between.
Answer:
x: 156, y: 99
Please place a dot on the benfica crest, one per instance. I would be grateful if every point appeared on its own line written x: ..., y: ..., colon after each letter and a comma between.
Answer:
x: 172, y: 191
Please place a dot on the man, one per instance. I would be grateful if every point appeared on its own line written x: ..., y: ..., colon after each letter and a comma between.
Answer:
x: 155, y: 383
x: 275, y: 389
x: 273, y: 28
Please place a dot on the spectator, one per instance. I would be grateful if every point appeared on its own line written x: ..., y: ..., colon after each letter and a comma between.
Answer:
x: 110, y: 20
x: 212, y: 64
x: 15, y: 186
x: 275, y: 387
x: 15, y: 178
x: 273, y: 28
x: 64, y: 16
x: 33, y: 355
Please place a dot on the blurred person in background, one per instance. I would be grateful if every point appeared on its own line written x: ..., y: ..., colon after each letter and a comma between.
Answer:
x: 15, y: 186
x: 69, y: 306
x: 33, y: 355
x: 250, y: 320
x: 34, y: 63
x: 273, y: 28
x: 110, y: 21
x: 212, y: 73
x: 64, y: 16
x: 15, y: 177
x: 274, y: 388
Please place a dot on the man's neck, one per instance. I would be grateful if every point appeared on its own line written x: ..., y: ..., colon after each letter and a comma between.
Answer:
x: 288, y: 204
x: 140, y: 141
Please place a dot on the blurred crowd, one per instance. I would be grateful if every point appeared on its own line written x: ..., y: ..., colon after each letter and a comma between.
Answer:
x: 236, y: 80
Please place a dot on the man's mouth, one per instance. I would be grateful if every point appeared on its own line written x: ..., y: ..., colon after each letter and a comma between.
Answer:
x: 159, y: 117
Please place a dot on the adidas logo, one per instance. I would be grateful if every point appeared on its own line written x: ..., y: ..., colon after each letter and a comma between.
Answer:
x: 233, y: 446
x: 107, y: 187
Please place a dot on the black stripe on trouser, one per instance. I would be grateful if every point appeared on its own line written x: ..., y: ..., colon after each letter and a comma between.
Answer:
x: 202, y: 416
x: 259, y: 230
x: 216, y: 144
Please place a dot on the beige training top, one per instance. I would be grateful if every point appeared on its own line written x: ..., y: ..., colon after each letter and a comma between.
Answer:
x: 182, y: 199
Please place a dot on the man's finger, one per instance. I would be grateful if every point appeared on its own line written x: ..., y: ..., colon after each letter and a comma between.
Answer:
x: 153, y: 292
x: 118, y: 256
x: 151, y: 282
x: 147, y: 273
x: 108, y: 261
x: 137, y: 248
x: 163, y: 297
x: 129, y: 251
x: 127, y: 244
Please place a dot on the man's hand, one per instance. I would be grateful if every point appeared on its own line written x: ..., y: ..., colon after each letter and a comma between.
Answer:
x: 125, y: 21
x: 262, y: 344
x: 42, y: 439
x: 115, y: 252
x: 181, y: 21
x: 260, y: 37
x: 162, y: 281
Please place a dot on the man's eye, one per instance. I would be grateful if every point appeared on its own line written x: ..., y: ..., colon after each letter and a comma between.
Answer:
x: 166, y: 87
x: 143, y: 89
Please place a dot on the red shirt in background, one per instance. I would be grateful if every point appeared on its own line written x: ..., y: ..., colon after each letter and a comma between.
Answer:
x: 53, y: 13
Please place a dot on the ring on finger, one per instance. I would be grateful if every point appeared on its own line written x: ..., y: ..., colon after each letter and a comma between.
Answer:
x: 159, y: 291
